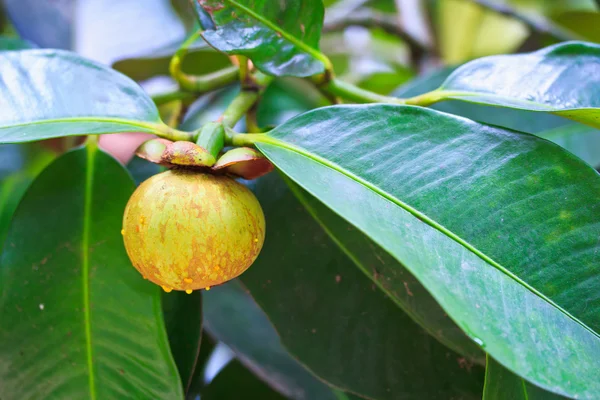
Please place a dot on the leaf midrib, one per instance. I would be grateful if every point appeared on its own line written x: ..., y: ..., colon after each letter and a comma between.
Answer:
x: 462, y: 95
x: 269, y: 140
x: 154, y: 127
x: 91, y: 148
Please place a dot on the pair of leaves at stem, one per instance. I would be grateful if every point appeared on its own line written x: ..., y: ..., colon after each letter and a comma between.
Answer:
x: 322, y: 146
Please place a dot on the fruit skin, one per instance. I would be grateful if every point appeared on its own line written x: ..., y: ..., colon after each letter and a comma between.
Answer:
x: 187, y: 230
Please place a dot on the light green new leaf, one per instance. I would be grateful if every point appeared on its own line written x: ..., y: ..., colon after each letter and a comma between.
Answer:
x: 53, y: 93
x: 78, y: 321
x: 281, y: 37
x: 562, y: 79
x: 500, y: 227
x: 501, y: 384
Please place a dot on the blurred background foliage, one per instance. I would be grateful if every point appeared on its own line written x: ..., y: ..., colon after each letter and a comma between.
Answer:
x: 401, y: 47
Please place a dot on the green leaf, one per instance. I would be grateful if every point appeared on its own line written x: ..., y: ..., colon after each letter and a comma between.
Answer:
x: 281, y: 38
x: 336, y: 321
x: 501, y: 384
x: 407, y: 292
x: 500, y: 227
x: 183, y: 319
x: 198, y: 383
x: 53, y: 93
x: 232, y: 317
x: 201, y: 59
x: 13, y: 186
x: 579, y: 139
x: 78, y: 321
x: 559, y: 79
x: 235, y: 379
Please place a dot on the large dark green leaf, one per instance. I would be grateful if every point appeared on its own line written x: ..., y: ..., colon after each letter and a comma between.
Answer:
x: 183, y: 318
x: 501, y: 384
x: 579, y: 139
x: 232, y: 317
x: 500, y: 227
x: 406, y: 291
x: 561, y: 80
x: 52, y: 93
x: 13, y: 186
x: 234, y: 380
x: 281, y: 38
x: 336, y: 321
x: 78, y: 321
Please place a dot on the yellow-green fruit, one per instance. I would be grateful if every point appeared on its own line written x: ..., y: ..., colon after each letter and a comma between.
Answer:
x: 186, y: 230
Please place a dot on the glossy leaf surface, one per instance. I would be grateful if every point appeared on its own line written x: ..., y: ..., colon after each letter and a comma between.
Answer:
x: 501, y: 384
x: 447, y: 198
x: 52, y: 93
x: 279, y: 37
x: 336, y: 321
x: 579, y: 139
x: 233, y: 317
x: 560, y: 79
x: 391, y: 278
x: 78, y: 321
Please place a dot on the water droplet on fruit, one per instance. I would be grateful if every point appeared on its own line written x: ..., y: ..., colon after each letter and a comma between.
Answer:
x: 207, y: 288
x: 189, y: 291
x: 167, y: 289
x: 122, y: 231
x: 478, y: 341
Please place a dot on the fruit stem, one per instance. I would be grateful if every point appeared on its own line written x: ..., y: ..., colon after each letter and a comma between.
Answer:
x: 245, y: 100
x: 199, y: 83
x: 212, y: 138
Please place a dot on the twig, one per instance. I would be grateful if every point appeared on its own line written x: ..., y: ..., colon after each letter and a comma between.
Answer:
x: 538, y: 24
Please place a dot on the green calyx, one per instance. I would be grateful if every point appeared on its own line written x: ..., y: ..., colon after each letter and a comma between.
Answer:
x: 211, y: 137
